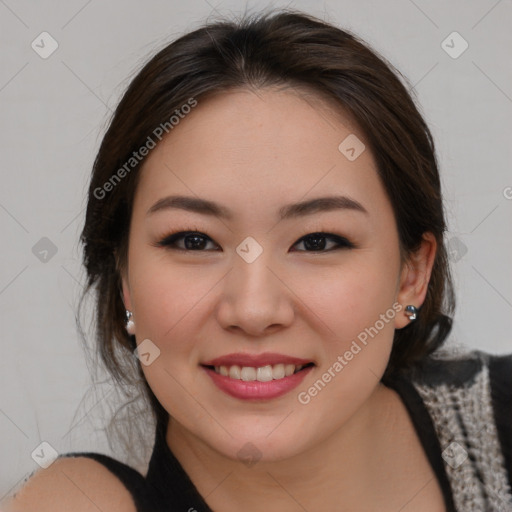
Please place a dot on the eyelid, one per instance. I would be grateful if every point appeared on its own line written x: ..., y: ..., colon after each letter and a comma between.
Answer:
x: 166, y: 242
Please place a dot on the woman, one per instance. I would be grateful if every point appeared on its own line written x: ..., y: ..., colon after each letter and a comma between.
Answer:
x: 265, y: 231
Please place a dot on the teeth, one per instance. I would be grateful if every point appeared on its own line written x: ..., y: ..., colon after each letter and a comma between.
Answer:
x: 278, y: 371
x: 248, y: 373
x: 264, y: 374
x: 261, y: 374
x: 234, y: 372
x: 289, y: 369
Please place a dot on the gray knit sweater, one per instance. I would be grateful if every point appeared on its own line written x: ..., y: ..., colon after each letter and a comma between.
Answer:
x: 467, y: 432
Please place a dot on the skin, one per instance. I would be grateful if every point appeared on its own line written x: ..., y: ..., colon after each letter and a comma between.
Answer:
x: 253, y: 152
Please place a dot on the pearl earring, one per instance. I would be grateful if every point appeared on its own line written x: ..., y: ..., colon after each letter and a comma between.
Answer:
x: 411, y: 312
x: 130, y: 324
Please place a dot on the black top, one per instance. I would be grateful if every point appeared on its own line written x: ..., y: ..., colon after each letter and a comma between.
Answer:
x: 167, y: 487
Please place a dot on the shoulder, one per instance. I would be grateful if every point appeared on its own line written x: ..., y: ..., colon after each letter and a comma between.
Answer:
x: 473, y: 389
x: 73, y: 482
x: 500, y: 367
x: 456, y: 369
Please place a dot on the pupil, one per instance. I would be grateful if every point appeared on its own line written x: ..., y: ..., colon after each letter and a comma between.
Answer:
x: 316, y: 244
x: 197, y: 244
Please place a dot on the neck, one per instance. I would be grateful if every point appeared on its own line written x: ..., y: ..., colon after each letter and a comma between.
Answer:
x: 339, y: 469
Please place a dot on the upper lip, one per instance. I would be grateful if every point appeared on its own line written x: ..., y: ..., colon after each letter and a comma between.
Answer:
x: 255, y: 360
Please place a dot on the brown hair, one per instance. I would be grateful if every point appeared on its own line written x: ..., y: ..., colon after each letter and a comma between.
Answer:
x: 283, y: 48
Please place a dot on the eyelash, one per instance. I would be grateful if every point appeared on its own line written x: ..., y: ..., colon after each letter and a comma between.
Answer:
x: 169, y: 240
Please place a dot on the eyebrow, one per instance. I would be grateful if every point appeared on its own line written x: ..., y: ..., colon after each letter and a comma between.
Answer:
x: 301, y: 209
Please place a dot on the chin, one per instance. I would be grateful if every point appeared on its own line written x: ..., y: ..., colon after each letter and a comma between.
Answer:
x: 251, y: 446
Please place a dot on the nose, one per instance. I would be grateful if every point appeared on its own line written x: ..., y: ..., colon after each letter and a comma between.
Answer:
x: 255, y: 299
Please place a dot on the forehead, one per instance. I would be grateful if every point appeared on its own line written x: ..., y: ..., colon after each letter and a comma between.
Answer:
x: 259, y: 149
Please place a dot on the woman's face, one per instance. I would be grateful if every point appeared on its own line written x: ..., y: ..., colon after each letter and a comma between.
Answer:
x: 257, y: 280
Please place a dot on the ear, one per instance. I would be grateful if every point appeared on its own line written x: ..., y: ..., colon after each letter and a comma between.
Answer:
x: 414, y: 278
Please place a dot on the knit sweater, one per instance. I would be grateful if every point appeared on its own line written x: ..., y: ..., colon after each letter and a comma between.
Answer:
x: 469, y: 400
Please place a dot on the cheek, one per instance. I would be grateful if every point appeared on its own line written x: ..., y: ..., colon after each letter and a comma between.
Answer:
x: 167, y: 297
x: 357, y: 306
x: 350, y: 298
x: 171, y: 304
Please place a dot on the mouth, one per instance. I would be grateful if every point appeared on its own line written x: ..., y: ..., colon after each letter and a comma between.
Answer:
x: 257, y: 377
x: 264, y: 373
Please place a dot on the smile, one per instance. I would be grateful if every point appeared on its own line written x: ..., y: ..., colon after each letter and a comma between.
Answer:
x: 261, y: 374
x: 260, y: 383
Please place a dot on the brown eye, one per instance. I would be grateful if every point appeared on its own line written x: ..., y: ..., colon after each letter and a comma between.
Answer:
x: 316, y: 242
x: 192, y: 241
x: 197, y: 241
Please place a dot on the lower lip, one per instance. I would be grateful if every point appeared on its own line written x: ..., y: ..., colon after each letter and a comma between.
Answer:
x: 256, y: 390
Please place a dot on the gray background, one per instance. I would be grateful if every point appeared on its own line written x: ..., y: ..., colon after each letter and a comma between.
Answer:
x: 54, y: 111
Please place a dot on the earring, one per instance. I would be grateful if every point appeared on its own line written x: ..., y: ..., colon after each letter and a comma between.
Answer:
x: 130, y: 324
x: 411, y: 312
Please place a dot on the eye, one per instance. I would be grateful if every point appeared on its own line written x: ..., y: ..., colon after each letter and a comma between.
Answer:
x: 317, y: 242
x: 197, y: 241
x: 194, y: 241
